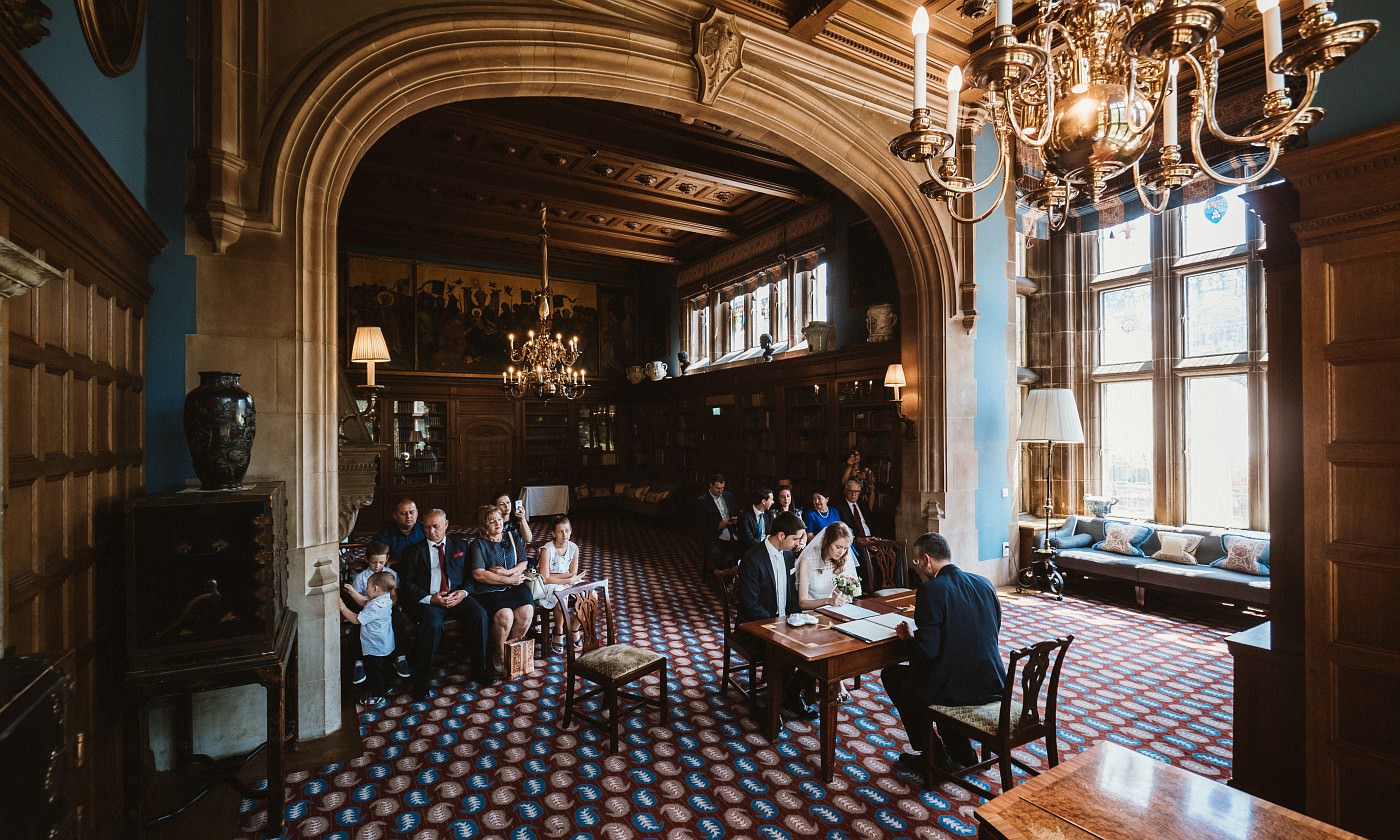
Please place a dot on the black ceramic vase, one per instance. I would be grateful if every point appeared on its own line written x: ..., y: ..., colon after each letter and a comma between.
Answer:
x: 219, y: 426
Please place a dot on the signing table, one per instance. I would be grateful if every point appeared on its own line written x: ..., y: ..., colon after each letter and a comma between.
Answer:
x: 828, y: 655
x: 545, y: 499
x: 1109, y: 792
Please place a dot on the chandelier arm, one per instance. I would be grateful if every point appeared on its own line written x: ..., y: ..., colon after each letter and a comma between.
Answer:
x: 1159, y: 97
x: 1048, y: 123
x: 1001, y: 196
x: 1003, y: 153
x: 1274, y: 149
x: 1207, y: 112
x: 1155, y: 210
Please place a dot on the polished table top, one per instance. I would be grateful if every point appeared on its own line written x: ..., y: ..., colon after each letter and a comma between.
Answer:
x: 1112, y: 793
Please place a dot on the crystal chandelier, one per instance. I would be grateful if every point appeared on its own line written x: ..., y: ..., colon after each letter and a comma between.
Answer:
x: 1089, y: 85
x: 543, y: 366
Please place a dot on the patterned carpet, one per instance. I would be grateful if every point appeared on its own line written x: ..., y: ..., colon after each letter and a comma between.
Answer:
x: 497, y: 762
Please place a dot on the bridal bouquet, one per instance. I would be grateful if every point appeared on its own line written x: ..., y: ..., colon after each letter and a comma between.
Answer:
x: 848, y: 586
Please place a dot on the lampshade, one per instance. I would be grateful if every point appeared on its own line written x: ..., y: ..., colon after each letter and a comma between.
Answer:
x: 369, y: 345
x: 894, y: 376
x: 1051, y: 414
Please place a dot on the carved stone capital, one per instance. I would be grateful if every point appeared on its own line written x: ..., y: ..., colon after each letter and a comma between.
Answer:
x: 22, y: 22
x: 718, y: 53
x: 359, y: 475
x: 21, y: 271
x: 933, y: 512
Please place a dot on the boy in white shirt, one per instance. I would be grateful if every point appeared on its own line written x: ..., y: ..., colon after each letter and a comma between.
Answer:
x: 376, y: 622
x: 377, y: 560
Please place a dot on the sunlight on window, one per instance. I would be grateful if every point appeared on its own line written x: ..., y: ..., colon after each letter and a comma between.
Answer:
x: 1126, y: 437
x: 761, y: 298
x: 1217, y: 317
x: 816, y: 292
x: 738, y: 320
x: 1213, y: 224
x: 1126, y: 246
x: 1125, y: 325
x: 1217, y: 451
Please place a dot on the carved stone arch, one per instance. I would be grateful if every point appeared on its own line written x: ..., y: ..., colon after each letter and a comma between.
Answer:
x: 390, y: 67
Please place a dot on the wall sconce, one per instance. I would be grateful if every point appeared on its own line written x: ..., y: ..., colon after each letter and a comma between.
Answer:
x: 369, y: 347
x: 894, y: 379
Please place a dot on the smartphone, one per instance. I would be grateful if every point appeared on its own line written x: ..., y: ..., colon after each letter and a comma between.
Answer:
x: 519, y: 506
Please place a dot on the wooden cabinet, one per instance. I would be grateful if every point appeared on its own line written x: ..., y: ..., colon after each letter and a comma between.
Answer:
x: 866, y: 421
x: 419, y: 434
x: 807, y: 444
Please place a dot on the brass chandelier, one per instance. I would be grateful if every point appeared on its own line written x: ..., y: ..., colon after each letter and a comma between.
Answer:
x: 543, y: 365
x: 1089, y: 85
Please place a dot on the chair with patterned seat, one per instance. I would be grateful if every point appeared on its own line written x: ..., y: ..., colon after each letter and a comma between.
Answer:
x: 597, y: 658
x: 885, y: 561
x: 733, y: 646
x: 1009, y: 723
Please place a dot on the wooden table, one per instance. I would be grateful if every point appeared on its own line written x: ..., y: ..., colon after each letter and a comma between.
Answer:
x: 1112, y: 793
x: 829, y: 656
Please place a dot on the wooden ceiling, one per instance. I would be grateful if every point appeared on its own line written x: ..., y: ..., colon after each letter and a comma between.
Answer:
x: 632, y: 192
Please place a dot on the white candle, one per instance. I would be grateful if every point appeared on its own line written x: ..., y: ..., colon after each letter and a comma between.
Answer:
x: 954, y: 92
x: 1273, y: 42
x: 369, y: 374
x: 1169, y: 108
x: 920, y: 59
x: 1003, y: 12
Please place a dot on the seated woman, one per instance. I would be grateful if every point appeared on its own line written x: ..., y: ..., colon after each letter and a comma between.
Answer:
x: 558, y: 570
x: 783, y: 503
x: 820, y: 515
x: 498, y: 564
x: 827, y: 559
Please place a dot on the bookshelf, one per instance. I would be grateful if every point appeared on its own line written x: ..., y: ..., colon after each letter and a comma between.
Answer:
x: 420, y: 442
x: 549, y: 452
x: 759, y: 435
x: 807, y: 436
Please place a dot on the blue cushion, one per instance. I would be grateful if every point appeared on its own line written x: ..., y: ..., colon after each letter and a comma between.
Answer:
x: 1076, y: 541
x: 1123, y: 538
x: 1244, y: 554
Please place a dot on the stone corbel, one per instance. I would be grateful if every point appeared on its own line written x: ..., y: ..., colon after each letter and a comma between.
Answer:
x: 21, y: 271
x: 218, y: 216
x: 359, y: 477
x: 22, y: 22
x: 932, y: 508
x: 718, y: 53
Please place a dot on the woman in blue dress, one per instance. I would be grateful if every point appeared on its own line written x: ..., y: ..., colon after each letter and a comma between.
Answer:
x: 819, y: 516
x: 498, y: 564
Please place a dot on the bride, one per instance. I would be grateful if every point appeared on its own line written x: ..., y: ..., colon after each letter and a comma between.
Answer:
x: 827, y: 557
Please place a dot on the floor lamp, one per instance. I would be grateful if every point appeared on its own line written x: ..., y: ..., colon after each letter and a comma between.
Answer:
x: 1049, y: 416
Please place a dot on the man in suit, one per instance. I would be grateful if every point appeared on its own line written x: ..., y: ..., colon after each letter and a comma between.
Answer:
x: 767, y: 588
x: 434, y: 584
x: 755, y: 522
x: 956, y: 662
x: 716, y: 514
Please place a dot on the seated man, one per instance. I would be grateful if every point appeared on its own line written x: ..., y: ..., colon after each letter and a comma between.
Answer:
x: 767, y: 588
x: 716, y: 514
x: 755, y: 521
x: 956, y: 662
x: 434, y: 584
x: 404, y: 532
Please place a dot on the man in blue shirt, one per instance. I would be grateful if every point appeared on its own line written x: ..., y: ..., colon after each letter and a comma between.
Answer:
x: 405, y: 532
x: 956, y: 661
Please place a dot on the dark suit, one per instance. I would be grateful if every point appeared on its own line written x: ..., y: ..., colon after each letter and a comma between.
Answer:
x: 707, y: 525
x: 750, y: 534
x: 757, y: 594
x: 848, y: 516
x: 415, y: 575
x: 957, y: 620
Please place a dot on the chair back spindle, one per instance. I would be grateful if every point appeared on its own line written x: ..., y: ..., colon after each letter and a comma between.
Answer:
x: 1037, y: 666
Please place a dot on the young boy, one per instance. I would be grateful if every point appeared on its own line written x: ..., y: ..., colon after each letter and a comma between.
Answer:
x: 377, y: 560
x: 376, y: 633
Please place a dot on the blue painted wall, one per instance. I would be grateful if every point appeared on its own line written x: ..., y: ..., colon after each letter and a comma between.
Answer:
x: 992, y: 368
x: 141, y: 123
x: 1360, y: 93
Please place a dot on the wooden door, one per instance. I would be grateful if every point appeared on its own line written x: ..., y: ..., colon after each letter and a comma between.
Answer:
x: 484, y: 443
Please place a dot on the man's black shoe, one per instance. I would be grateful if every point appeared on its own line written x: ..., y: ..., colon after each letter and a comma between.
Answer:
x: 913, y: 762
x: 951, y: 766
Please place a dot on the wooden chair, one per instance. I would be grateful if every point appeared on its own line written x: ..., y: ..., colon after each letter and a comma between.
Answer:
x: 885, y: 561
x: 1009, y: 723
x: 605, y: 663
x: 733, y: 647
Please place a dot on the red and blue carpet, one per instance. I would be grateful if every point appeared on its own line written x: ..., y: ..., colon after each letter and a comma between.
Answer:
x: 497, y: 762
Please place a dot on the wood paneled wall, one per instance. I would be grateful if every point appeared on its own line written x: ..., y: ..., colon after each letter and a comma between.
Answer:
x: 73, y: 417
x: 1349, y: 233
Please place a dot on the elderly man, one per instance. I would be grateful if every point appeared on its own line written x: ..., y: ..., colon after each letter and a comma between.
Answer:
x: 404, y: 532
x: 956, y: 662
x: 434, y: 583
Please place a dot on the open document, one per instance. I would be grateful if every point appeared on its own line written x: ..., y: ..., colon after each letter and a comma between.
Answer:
x: 867, y: 629
x: 851, y: 612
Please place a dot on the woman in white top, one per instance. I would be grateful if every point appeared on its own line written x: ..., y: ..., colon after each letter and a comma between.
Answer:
x: 826, y: 558
x: 558, y: 570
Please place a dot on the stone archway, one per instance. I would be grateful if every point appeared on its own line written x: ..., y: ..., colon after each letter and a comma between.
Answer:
x: 354, y: 86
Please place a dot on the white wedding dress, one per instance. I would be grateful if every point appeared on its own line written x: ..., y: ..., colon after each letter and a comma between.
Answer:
x: 821, y: 580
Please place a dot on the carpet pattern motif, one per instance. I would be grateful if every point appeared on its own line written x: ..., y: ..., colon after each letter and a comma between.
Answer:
x: 496, y: 762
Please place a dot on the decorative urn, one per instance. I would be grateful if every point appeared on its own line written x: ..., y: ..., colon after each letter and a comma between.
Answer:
x: 220, y: 423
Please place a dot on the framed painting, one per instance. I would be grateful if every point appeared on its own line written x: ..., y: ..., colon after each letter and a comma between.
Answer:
x: 617, y: 331
x: 379, y: 293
